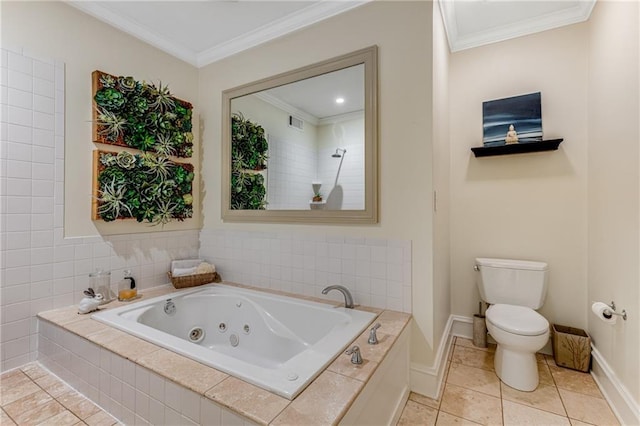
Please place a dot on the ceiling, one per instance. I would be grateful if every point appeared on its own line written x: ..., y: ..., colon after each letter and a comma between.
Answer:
x: 202, y: 32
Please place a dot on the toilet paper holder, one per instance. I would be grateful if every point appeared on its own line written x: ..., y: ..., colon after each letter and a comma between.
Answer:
x: 611, y: 312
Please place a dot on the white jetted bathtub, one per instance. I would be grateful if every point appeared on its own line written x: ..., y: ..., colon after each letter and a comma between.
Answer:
x: 275, y: 342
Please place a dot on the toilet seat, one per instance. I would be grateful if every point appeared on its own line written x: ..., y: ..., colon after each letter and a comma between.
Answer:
x: 518, y: 320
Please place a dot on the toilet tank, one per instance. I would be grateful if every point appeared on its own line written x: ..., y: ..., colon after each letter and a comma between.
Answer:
x: 514, y: 282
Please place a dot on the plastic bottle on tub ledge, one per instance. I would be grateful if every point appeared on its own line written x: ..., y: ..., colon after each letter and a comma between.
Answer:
x: 127, y: 288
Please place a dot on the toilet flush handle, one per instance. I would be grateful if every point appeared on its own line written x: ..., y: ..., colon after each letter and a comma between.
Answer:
x: 476, y: 268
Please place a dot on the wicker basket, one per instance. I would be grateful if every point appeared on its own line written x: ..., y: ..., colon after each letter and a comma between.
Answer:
x: 194, y: 280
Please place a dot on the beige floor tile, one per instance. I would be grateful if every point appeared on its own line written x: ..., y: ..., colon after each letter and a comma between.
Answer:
x: 461, y: 341
x: 544, y: 398
x: 100, y: 418
x: 471, y: 405
x: 473, y: 378
x: 78, y: 404
x: 34, y: 370
x: 52, y: 385
x: 15, y: 386
x: 424, y: 400
x: 575, y: 422
x: 65, y: 418
x: 37, y: 413
x: 473, y: 357
x: 418, y: 415
x: 575, y: 381
x: 544, y: 374
x: 587, y: 408
x: 446, y: 419
x: 517, y: 414
x: 5, y: 420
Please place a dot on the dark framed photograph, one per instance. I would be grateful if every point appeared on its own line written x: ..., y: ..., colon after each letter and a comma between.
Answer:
x: 517, y: 119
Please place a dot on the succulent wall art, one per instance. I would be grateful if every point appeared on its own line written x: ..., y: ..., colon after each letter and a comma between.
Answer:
x: 147, y: 186
x: 249, y: 156
x: 140, y: 115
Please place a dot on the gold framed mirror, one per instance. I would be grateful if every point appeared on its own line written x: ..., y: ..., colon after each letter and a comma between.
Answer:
x: 301, y: 147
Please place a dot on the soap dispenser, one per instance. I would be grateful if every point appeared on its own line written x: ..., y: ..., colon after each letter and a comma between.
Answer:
x: 127, y: 289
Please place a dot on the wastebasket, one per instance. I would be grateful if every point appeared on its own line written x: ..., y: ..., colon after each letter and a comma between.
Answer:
x: 571, y: 347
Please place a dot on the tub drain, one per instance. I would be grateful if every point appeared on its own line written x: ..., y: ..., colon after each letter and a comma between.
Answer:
x: 196, y: 334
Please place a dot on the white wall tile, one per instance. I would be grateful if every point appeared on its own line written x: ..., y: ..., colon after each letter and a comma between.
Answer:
x: 210, y: 412
x: 172, y: 395
x: 42, y: 87
x: 19, y: 98
x: 19, y: 116
x: 20, y: 81
x: 18, y: 169
x: 156, y: 412
x: 190, y: 405
x: 20, y: 134
x: 18, y: 62
x: 156, y: 387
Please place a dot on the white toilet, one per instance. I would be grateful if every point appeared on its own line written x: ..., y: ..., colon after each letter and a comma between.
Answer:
x: 515, y: 288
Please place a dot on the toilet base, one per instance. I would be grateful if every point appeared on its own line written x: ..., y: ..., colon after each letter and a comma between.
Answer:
x: 516, y: 369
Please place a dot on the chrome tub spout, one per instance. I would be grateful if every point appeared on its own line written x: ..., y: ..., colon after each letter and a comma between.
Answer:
x: 348, y: 299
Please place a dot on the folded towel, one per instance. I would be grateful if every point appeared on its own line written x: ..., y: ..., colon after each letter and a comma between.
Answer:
x: 205, y: 268
x: 179, y: 272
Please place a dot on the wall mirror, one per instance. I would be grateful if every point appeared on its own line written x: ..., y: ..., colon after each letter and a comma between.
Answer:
x: 302, y: 146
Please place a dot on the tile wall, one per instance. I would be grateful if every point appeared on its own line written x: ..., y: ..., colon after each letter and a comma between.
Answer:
x: 377, y: 271
x: 129, y: 392
x: 292, y: 168
x: 39, y: 268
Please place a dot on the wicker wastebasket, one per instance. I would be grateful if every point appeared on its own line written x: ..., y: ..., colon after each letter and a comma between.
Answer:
x: 571, y: 347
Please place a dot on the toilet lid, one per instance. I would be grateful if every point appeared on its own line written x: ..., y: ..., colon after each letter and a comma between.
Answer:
x: 517, y: 320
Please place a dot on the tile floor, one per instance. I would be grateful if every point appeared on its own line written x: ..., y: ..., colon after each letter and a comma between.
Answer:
x: 31, y: 395
x: 473, y: 394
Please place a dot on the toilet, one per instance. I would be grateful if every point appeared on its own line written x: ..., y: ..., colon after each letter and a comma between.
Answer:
x: 515, y: 289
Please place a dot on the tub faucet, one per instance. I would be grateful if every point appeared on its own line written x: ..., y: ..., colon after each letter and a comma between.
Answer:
x: 348, y: 299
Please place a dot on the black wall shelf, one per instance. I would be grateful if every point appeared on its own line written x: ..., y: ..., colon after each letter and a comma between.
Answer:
x: 517, y: 148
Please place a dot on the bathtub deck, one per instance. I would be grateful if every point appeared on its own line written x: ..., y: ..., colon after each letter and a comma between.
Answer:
x: 339, y: 385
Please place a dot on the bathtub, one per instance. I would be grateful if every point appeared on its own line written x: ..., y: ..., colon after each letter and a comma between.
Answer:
x: 275, y: 342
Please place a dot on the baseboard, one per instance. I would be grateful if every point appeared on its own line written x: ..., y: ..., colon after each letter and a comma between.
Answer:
x: 622, y: 403
x: 427, y: 380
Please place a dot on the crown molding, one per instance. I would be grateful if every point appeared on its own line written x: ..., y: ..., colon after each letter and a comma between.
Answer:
x: 289, y: 23
x: 309, y: 15
x: 286, y: 107
x: 136, y: 30
x: 579, y: 13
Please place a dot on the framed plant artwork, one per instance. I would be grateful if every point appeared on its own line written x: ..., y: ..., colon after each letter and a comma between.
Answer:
x: 517, y: 119
x: 140, y: 115
x: 146, y: 187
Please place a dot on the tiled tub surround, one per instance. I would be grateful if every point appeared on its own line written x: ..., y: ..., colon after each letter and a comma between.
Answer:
x: 377, y: 271
x: 138, y: 382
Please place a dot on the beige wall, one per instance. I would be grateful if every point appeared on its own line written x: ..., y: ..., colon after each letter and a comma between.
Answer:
x: 402, y: 32
x: 84, y: 44
x: 614, y: 164
x: 530, y: 206
x: 441, y: 175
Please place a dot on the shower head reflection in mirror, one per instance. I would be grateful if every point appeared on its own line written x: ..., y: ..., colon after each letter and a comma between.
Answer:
x: 303, y: 154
